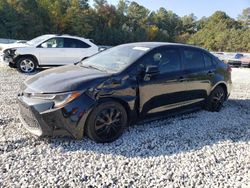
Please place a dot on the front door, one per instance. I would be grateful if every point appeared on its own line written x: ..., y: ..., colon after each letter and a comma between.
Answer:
x: 76, y: 50
x: 52, y: 52
x: 165, y: 90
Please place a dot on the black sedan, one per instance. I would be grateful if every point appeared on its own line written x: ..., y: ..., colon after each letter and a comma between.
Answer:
x: 103, y: 94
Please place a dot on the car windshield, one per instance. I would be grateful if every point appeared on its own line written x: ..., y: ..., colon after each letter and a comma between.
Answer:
x: 115, y: 59
x: 38, y: 40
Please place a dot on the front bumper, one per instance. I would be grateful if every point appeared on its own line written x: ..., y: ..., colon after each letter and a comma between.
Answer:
x: 234, y: 63
x: 8, y: 59
x: 245, y: 64
x: 32, y: 120
x: 40, y: 119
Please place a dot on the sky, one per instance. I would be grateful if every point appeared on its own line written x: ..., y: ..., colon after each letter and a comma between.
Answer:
x: 200, y: 8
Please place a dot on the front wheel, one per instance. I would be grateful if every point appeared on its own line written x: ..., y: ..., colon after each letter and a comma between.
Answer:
x: 106, y: 122
x: 26, y: 64
x: 216, y: 99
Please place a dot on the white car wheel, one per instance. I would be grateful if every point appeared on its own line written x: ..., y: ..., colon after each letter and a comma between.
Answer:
x: 26, y: 65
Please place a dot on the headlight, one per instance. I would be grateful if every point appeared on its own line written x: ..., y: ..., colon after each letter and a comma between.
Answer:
x: 41, y: 96
x: 62, y: 100
x: 10, y: 52
x: 59, y: 99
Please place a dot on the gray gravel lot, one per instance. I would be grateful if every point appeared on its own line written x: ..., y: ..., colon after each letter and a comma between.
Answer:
x: 201, y: 149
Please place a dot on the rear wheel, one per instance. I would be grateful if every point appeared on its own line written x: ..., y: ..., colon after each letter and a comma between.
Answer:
x: 26, y: 64
x: 216, y: 99
x: 106, y: 122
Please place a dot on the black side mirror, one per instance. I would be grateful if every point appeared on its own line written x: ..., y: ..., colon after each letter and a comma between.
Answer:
x: 151, y: 70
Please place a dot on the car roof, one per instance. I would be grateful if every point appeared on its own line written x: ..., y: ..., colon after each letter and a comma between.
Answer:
x: 64, y: 35
x: 152, y: 45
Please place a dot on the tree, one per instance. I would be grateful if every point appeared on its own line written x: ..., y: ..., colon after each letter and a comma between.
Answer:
x: 77, y: 19
x: 189, y: 24
x: 245, y: 17
x: 169, y: 24
x: 214, y: 35
x: 127, y: 22
x: 9, y: 22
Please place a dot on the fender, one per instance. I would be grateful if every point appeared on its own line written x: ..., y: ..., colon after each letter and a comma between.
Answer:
x: 123, y: 89
x: 220, y: 83
x: 23, y: 55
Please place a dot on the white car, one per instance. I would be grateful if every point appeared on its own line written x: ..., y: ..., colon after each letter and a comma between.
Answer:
x: 47, y: 50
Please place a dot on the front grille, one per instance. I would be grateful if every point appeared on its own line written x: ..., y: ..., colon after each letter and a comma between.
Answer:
x: 29, y: 117
x: 231, y: 61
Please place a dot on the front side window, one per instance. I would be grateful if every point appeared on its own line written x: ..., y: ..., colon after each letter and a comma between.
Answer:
x: 193, y: 59
x: 167, y: 59
x: 53, y: 43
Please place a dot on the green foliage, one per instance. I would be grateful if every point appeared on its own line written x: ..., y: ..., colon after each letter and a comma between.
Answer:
x: 244, y: 18
x: 219, y: 32
x: 127, y: 22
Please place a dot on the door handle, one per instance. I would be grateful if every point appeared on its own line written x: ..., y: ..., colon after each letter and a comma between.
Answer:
x: 210, y: 73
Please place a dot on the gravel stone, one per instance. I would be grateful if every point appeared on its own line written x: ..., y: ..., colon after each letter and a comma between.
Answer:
x: 201, y: 149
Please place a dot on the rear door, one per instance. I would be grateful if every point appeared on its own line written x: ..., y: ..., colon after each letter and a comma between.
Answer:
x: 197, y: 76
x: 76, y: 50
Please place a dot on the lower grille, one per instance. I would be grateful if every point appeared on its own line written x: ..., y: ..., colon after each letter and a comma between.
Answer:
x: 29, y: 117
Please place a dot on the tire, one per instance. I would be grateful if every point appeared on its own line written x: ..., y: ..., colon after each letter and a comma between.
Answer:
x: 216, y: 99
x: 26, y: 64
x: 106, y: 122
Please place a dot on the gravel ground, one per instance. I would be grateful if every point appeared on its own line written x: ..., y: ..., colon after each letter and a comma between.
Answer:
x: 201, y: 149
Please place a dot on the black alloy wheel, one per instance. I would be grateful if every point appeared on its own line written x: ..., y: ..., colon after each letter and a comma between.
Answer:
x: 106, y: 122
x: 216, y: 99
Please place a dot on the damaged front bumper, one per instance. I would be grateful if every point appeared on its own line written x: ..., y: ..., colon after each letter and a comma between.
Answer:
x: 40, y: 119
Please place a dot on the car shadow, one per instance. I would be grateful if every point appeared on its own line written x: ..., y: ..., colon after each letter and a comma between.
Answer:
x: 171, y: 136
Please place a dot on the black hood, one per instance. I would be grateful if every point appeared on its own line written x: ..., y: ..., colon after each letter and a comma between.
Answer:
x: 63, y: 79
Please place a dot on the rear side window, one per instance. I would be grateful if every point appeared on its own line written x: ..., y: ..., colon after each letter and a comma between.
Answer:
x: 208, y: 60
x: 193, y: 59
x: 74, y: 43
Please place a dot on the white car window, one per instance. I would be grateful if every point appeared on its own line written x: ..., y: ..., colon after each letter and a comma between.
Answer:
x: 74, y: 43
x: 53, y: 43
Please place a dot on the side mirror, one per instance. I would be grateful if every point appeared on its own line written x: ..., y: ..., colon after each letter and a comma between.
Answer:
x: 151, y: 70
x: 100, y: 49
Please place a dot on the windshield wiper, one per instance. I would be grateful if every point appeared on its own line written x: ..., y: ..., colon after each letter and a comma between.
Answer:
x: 77, y: 62
x: 94, y: 67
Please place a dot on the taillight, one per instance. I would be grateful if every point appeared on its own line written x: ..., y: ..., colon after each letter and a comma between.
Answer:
x: 229, y: 69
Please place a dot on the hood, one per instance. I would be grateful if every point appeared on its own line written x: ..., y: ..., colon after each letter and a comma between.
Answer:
x: 12, y: 45
x: 64, y: 79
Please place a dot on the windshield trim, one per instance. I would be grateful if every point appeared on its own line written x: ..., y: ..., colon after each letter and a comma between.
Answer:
x: 43, y: 38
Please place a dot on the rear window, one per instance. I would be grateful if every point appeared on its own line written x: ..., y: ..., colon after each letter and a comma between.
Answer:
x: 193, y: 59
x: 208, y: 60
x: 74, y: 43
